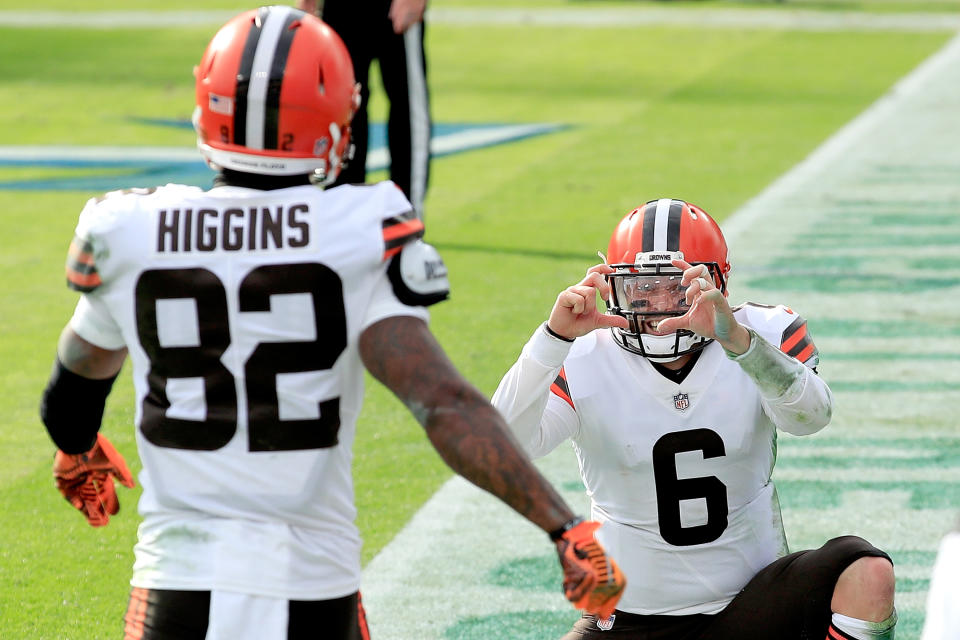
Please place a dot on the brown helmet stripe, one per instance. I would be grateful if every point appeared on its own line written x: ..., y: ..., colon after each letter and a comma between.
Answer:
x: 271, y: 137
x: 243, y: 79
x: 673, y: 225
x: 649, y: 224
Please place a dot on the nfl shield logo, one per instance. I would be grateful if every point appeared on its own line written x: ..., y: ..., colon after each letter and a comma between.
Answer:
x: 681, y: 401
x: 606, y: 625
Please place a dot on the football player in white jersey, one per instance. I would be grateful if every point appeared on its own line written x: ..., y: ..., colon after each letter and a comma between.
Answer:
x: 249, y: 312
x: 673, y: 409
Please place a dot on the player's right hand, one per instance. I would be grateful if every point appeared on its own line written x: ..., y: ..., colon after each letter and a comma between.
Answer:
x: 592, y: 581
x: 86, y: 480
x: 575, y: 312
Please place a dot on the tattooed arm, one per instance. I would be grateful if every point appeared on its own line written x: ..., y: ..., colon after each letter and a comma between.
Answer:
x: 470, y: 435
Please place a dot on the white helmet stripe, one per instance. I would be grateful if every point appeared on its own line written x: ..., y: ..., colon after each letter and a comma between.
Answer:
x: 273, y: 25
x: 662, y: 216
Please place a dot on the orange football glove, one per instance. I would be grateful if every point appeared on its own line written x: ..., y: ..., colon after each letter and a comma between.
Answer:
x: 85, y: 480
x: 592, y: 581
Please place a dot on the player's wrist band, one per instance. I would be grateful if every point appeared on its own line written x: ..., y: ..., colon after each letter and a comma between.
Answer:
x: 551, y: 332
x: 556, y: 534
x: 72, y: 408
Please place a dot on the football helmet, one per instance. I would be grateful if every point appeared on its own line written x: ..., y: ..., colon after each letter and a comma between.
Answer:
x: 275, y: 94
x: 645, y: 285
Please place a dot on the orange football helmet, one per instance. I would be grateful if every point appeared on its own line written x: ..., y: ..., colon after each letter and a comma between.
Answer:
x: 645, y: 284
x: 275, y: 95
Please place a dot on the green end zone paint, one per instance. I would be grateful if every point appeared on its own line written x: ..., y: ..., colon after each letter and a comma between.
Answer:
x: 888, y: 468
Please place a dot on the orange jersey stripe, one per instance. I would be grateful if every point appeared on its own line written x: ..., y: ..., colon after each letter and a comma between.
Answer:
x: 83, y: 280
x: 402, y: 229
x: 560, y: 389
x: 804, y: 355
x: 832, y: 634
x: 797, y: 336
x: 557, y: 391
x: 362, y: 619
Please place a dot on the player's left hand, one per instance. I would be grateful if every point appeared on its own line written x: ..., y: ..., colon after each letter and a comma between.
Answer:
x: 86, y: 480
x: 405, y: 13
x: 710, y: 314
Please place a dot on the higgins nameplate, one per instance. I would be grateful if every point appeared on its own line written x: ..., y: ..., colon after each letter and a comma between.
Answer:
x: 233, y: 229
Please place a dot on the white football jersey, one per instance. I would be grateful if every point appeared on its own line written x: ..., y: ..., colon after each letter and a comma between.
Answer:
x: 678, y: 473
x: 942, y: 620
x: 241, y: 310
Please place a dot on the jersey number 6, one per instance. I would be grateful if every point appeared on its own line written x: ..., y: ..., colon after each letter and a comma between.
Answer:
x: 671, y: 489
x: 266, y: 431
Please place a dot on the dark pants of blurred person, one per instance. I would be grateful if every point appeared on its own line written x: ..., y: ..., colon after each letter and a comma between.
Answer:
x: 368, y: 34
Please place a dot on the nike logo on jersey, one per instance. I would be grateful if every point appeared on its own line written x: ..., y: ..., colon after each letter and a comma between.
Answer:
x: 233, y: 229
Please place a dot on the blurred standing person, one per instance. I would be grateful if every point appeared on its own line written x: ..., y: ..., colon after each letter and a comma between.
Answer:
x: 392, y: 33
x: 249, y: 312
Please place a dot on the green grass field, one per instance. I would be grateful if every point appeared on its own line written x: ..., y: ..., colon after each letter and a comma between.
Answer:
x: 710, y: 115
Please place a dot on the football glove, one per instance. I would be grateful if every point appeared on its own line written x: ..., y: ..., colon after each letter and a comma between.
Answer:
x: 86, y: 480
x: 592, y: 581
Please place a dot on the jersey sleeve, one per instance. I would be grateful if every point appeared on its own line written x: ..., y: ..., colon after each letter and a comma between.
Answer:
x: 83, y: 270
x: 530, y: 396
x: 398, y: 230
x: 81, y: 265
x: 782, y: 327
x: 796, y: 341
x: 782, y: 361
x: 92, y: 321
x: 384, y: 304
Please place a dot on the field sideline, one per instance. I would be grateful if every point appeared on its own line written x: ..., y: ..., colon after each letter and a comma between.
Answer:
x: 693, y: 104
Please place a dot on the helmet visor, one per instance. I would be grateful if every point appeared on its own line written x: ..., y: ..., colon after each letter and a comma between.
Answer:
x: 655, y: 294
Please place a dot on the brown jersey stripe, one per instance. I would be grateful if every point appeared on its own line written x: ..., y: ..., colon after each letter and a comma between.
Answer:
x: 798, y: 346
x: 560, y: 388
x: 403, y: 223
x: 80, y: 251
x: 80, y: 267
x: 400, y: 218
x: 806, y: 353
x: 403, y: 231
x: 398, y: 231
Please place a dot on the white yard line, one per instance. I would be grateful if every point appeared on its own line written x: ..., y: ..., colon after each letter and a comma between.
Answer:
x: 438, y: 578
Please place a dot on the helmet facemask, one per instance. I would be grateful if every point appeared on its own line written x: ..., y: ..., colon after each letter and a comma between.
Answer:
x: 645, y: 292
